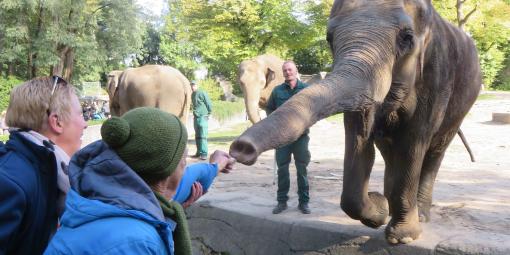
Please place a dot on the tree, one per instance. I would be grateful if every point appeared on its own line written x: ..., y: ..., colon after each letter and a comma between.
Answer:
x: 220, y: 34
x: 58, y: 37
x: 487, y: 22
x: 314, y: 54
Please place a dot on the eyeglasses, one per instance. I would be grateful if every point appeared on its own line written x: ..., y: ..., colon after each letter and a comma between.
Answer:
x: 56, y: 80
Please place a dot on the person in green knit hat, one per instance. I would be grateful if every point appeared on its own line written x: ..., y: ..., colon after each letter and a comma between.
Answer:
x: 121, y: 189
x: 202, y: 108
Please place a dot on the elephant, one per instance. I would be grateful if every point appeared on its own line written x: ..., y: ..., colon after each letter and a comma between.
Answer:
x: 112, y: 82
x: 163, y: 87
x: 404, y: 79
x: 257, y: 78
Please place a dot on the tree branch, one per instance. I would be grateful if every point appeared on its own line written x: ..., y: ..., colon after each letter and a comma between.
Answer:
x: 465, y: 19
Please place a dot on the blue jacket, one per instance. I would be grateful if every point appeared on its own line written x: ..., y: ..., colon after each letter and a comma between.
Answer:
x: 28, y: 196
x: 110, y: 209
x: 201, y: 172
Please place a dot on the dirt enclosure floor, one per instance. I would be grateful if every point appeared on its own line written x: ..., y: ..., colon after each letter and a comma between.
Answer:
x: 471, y: 201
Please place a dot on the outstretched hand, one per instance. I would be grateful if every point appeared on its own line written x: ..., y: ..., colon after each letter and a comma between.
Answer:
x: 224, y: 160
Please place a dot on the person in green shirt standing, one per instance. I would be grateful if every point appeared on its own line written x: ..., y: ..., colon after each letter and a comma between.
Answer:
x: 202, y: 108
x: 299, y: 148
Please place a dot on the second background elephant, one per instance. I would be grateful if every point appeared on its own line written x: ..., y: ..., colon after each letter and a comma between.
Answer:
x: 157, y: 86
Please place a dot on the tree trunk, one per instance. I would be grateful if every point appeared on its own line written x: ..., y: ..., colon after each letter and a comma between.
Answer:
x: 10, y: 69
x: 68, y: 64
x: 65, y: 66
x: 33, y: 67
x: 29, y: 64
x: 57, y: 70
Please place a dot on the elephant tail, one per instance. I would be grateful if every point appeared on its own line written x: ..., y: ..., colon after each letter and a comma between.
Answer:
x: 464, y: 141
x: 183, y: 114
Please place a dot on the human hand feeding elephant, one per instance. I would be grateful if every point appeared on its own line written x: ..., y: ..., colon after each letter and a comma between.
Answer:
x: 157, y: 86
x: 405, y: 79
x: 257, y: 78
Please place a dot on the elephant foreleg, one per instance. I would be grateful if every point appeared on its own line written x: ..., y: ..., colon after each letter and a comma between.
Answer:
x: 370, y: 208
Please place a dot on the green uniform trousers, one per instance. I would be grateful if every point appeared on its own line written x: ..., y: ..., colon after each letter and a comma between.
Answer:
x: 200, y: 125
x: 301, y: 154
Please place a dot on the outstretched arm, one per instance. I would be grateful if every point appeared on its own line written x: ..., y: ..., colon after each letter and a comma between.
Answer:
x: 204, y: 174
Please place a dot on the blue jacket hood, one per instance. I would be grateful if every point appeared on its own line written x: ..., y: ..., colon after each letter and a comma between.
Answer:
x: 97, y: 173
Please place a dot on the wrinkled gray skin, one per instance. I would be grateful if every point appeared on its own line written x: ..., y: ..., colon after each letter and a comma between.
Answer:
x: 405, y: 79
x: 257, y: 78
x: 157, y: 86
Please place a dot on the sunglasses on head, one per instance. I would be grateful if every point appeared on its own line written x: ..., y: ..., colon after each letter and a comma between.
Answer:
x: 56, y: 80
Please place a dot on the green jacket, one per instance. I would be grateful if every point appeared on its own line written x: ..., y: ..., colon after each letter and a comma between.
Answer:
x: 281, y: 94
x: 201, y: 103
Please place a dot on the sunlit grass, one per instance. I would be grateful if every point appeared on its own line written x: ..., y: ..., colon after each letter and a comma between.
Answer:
x: 225, y: 136
x: 95, y: 122
x: 222, y: 110
x: 485, y: 97
x: 338, y: 118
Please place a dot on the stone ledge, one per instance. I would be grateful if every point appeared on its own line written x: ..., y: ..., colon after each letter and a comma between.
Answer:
x: 218, y: 230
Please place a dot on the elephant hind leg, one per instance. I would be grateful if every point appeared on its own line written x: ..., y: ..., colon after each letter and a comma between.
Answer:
x: 405, y: 164
x: 431, y: 164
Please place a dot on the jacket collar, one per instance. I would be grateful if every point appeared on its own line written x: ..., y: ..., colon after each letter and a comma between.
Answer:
x: 31, y: 151
x: 96, y: 172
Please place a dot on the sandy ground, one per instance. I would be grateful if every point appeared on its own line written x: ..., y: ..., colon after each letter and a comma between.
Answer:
x: 471, y: 200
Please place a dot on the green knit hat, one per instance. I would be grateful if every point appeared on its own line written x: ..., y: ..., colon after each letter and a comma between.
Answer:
x: 148, y: 140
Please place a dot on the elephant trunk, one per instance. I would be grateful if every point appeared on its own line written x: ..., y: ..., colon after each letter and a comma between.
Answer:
x: 289, y: 121
x: 252, y: 106
x: 361, y: 77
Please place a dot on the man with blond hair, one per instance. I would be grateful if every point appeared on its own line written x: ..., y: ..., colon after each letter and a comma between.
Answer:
x: 46, y: 126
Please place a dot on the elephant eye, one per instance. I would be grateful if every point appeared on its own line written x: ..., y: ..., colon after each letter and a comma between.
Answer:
x: 405, y: 41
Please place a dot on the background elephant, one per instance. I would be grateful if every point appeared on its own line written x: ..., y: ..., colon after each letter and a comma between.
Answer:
x: 112, y: 82
x: 405, y: 79
x: 257, y: 78
x: 157, y: 86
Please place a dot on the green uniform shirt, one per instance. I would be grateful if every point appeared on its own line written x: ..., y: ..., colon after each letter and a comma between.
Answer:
x: 201, y: 103
x: 281, y: 94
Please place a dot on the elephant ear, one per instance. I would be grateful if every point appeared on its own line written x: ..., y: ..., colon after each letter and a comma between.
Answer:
x: 270, y: 76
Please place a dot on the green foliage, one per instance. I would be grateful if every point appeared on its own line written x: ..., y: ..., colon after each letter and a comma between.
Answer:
x: 220, y: 34
x: 77, y: 39
x: 314, y: 55
x: 212, y: 88
x: 490, y: 29
x: 150, y: 52
x: 4, y: 138
x: 222, y: 110
x: 6, y: 86
x: 503, y: 79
